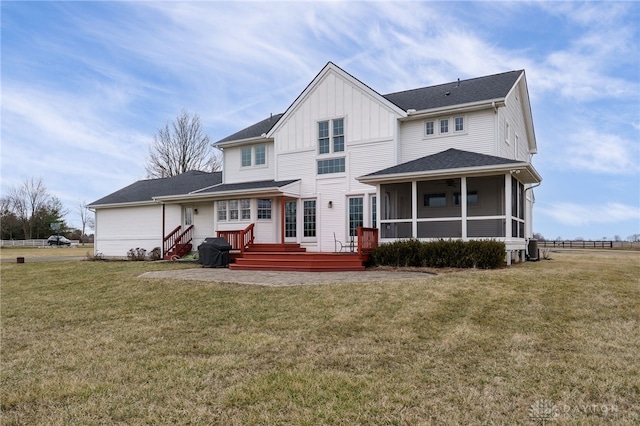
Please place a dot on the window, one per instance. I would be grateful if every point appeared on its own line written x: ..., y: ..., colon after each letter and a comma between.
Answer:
x: 188, y: 216
x: 459, y: 123
x: 429, y: 128
x: 435, y: 200
x: 444, y: 125
x: 261, y: 155
x: 506, y: 132
x: 309, y: 217
x: 258, y: 153
x: 246, y: 156
x: 472, y: 198
x: 355, y: 215
x: 323, y: 137
x: 245, y: 209
x: 222, y: 210
x: 332, y: 165
x: 264, y: 209
x: 374, y: 212
x: 333, y: 132
x: 233, y: 210
x: 338, y: 135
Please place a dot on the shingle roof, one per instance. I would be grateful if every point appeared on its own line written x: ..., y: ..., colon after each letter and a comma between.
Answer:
x: 243, y: 186
x: 456, y: 93
x: 253, y: 131
x: 450, y: 159
x: 145, y: 190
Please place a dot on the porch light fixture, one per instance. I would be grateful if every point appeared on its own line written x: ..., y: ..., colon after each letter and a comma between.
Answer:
x: 195, y: 211
x: 330, y: 204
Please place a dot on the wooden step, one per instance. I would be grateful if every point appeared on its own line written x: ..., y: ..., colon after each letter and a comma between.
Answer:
x: 272, y: 248
x: 292, y: 261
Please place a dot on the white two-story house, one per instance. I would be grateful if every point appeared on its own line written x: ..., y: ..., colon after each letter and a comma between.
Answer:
x: 445, y: 161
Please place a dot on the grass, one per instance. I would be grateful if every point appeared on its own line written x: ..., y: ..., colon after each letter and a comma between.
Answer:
x: 47, y: 251
x: 91, y: 343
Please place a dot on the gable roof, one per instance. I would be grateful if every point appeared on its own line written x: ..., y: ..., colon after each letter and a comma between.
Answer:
x: 246, y: 186
x: 452, y: 160
x: 253, y: 131
x: 459, y: 92
x: 145, y: 190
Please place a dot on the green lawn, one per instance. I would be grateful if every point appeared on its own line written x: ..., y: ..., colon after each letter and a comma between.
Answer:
x: 91, y: 343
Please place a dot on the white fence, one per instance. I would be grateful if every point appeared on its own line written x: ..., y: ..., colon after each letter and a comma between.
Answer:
x: 31, y: 243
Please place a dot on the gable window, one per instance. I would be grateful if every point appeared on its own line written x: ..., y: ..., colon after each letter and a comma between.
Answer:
x: 338, y: 135
x: 459, y: 124
x: 435, y: 200
x: 444, y: 125
x: 332, y: 165
x: 253, y: 156
x: 331, y: 131
x: 264, y: 208
x: 429, y: 128
x: 323, y: 137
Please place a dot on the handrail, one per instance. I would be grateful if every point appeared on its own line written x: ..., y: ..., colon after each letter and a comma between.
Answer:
x: 172, y: 239
x: 239, y: 239
x: 367, y: 239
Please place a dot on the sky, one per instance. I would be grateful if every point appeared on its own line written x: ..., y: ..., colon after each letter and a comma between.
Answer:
x: 86, y: 85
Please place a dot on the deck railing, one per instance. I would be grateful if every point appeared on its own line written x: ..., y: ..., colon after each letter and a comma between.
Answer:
x: 367, y: 239
x: 176, y: 237
x: 239, y: 239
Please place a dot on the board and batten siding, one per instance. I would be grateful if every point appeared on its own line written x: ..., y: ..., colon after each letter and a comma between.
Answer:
x: 365, y: 118
x: 477, y: 137
x: 121, y: 229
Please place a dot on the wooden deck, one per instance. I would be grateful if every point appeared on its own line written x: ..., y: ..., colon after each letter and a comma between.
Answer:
x: 292, y: 257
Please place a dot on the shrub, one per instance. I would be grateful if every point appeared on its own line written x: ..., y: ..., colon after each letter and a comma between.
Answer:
x: 137, y: 254
x: 440, y: 254
x: 155, y: 254
x: 95, y: 257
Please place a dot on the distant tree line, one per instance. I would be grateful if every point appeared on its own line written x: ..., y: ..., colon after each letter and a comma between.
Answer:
x: 28, y: 212
x: 631, y: 238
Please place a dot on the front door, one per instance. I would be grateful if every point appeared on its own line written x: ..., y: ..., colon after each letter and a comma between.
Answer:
x: 290, y: 221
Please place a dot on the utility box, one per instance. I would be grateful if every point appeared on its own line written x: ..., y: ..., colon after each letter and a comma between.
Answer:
x: 533, y: 250
x: 214, y: 253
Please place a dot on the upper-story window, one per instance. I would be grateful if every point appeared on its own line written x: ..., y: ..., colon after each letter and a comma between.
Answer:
x: 507, y: 130
x: 459, y: 123
x: 253, y: 156
x: 331, y: 131
x: 444, y: 126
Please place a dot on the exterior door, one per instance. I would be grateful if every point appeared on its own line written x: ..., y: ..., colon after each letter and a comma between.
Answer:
x: 291, y: 221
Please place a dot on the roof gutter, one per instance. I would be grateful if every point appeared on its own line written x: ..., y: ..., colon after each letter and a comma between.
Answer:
x: 470, y: 107
x: 391, y: 178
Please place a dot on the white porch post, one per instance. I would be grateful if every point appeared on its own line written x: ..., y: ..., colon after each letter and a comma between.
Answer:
x: 507, y: 212
x: 414, y: 209
x: 463, y: 206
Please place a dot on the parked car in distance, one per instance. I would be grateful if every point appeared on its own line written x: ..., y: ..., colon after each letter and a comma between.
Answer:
x: 58, y: 240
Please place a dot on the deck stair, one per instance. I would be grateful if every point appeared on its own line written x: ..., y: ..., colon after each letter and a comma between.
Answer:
x: 292, y: 257
x: 178, y: 251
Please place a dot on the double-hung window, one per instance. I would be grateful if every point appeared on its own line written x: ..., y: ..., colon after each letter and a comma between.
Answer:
x: 253, y: 156
x: 331, y: 140
x: 444, y: 125
x: 264, y: 208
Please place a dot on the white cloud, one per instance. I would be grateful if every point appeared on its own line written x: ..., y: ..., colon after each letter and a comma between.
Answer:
x: 598, y: 152
x: 576, y: 215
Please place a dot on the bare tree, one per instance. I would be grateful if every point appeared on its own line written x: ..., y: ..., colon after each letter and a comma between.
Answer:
x: 86, y: 218
x: 27, y: 200
x: 180, y: 147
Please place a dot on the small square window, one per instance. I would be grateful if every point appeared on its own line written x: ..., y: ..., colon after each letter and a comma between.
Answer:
x: 429, y: 128
x: 444, y: 126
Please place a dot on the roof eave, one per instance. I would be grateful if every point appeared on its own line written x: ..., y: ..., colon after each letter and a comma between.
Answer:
x: 272, y: 190
x: 126, y: 204
x: 459, y: 108
x: 239, y: 142
x: 504, y: 168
